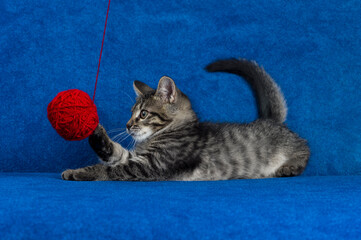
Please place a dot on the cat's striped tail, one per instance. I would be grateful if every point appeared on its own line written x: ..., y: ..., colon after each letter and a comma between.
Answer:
x: 270, y: 100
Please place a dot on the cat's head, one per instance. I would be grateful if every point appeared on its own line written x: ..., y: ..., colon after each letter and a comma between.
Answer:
x: 156, y: 111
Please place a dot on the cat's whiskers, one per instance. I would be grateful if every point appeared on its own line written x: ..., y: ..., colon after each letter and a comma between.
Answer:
x: 121, y: 138
x: 124, y: 138
x: 120, y: 135
x: 131, y: 144
x: 115, y: 130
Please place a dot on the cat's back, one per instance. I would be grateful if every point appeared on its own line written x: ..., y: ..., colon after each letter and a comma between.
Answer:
x: 262, y: 134
x: 244, y: 132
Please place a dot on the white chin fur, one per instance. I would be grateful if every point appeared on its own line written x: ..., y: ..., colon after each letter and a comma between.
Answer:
x: 142, y: 135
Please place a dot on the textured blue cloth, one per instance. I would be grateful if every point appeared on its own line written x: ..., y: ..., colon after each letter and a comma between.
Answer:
x: 311, y: 47
x: 42, y: 206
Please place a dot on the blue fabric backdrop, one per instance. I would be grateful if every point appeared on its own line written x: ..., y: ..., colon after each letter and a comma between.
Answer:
x: 312, y: 49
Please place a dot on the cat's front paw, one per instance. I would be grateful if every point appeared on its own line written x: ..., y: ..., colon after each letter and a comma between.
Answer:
x: 101, y: 143
x: 100, y: 131
x: 77, y: 175
x: 67, y: 175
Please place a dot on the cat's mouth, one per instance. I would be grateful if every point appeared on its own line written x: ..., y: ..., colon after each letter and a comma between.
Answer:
x: 133, y: 131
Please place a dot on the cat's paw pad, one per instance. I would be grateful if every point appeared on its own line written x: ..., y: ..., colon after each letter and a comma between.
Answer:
x: 99, y: 131
x: 99, y: 138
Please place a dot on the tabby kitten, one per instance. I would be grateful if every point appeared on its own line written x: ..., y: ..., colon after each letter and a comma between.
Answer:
x: 171, y: 144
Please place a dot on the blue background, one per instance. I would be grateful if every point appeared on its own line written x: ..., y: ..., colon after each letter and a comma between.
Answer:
x: 311, y: 48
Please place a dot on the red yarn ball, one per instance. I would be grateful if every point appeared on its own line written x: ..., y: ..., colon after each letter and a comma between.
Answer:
x: 73, y: 114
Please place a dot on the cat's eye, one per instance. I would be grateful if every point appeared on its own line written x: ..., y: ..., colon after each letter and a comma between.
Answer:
x: 143, y: 114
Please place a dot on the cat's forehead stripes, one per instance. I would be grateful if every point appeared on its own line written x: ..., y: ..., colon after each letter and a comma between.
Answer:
x: 138, y: 104
x: 141, y: 100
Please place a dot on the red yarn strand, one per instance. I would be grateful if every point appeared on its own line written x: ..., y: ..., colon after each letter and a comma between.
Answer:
x: 101, y: 51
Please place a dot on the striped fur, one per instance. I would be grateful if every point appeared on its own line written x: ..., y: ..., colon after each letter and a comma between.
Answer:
x: 173, y: 145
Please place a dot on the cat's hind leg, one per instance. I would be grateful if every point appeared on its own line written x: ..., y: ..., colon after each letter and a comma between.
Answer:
x: 293, y: 167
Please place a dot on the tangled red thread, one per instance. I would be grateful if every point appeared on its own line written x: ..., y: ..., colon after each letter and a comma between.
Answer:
x: 73, y: 114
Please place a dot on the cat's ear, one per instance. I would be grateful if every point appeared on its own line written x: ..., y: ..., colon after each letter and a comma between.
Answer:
x: 141, y: 88
x: 167, y: 91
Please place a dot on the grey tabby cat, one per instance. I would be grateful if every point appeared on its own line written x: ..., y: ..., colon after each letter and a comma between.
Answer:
x: 173, y: 145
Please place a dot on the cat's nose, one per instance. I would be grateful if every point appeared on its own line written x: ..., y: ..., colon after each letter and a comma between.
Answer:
x: 129, y: 125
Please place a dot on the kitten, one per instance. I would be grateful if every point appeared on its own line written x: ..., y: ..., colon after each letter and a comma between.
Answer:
x: 173, y: 145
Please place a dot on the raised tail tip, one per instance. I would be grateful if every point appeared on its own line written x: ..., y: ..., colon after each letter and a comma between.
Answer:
x: 227, y: 64
x: 271, y: 103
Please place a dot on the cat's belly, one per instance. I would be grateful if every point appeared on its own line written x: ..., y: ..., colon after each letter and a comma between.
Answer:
x: 234, y: 170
